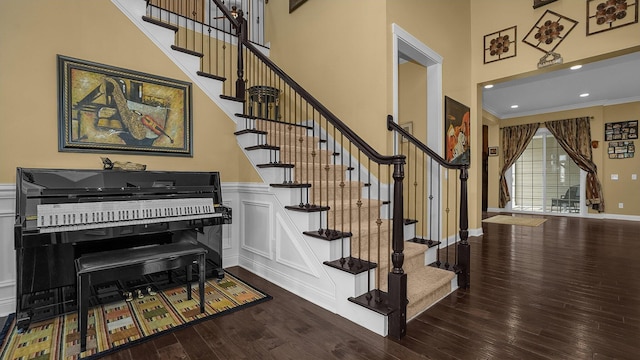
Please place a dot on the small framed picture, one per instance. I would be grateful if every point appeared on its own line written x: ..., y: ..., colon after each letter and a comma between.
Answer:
x: 408, y: 127
x: 493, y: 151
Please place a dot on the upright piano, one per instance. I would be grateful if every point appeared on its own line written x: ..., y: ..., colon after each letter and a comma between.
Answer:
x: 62, y: 214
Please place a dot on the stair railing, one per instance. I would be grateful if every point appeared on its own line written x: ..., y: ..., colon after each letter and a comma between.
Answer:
x: 426, y: 197
x: 210, y: 30
x: 356, y: 192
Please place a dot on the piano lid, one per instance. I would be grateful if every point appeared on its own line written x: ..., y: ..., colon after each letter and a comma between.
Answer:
x: 36, y: 186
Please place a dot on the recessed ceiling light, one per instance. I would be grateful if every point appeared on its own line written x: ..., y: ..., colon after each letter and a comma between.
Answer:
x: 584, y: 95
x: 514, y: 106
x: 488, y: 86
x: 575, y: 67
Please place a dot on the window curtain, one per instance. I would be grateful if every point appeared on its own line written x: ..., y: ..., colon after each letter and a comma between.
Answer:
x: 574, y: 135
x: 514, y: 142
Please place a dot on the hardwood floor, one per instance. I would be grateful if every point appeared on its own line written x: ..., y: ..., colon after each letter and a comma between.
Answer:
x: 567, y: 289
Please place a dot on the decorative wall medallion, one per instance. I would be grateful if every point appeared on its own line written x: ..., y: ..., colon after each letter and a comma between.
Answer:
x: 500, y: 45
x: 549, y: 31
x: 603, y: 15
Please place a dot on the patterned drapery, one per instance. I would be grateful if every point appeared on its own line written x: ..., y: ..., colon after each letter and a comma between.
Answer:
x: 514, y: 142
x: 574, y: 135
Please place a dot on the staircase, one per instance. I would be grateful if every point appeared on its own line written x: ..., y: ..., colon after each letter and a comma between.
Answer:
x: 341, y: 202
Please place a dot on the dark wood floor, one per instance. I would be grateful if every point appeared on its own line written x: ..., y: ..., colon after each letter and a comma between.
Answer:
x: 567, y: 289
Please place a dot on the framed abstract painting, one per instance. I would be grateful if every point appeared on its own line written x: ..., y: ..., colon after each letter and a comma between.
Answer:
x: 457, y: 126
x: 106, y: 109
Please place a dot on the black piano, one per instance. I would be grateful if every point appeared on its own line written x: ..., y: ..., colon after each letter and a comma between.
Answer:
x: 64, y: 214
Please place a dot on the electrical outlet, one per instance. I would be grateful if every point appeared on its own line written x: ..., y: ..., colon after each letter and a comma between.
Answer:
x: 634, y: 176
x: 620, y: 205
x: 614, y: 176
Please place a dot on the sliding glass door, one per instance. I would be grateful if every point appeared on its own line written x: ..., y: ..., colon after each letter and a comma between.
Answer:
x: 545, y: 179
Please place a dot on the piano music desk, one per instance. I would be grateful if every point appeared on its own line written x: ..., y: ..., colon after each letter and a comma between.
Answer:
x: 105, y: 266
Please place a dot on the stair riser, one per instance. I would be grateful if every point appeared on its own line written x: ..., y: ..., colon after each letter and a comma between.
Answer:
x: 410, y: 264
x: 350, y: 215
x: 336, y: 193
x: 306, y: 173
x: 419, y: 305
x: 295, y: 156
x: 291, y: 140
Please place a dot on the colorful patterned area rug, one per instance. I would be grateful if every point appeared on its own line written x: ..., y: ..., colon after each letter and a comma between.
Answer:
x: 120, y: 324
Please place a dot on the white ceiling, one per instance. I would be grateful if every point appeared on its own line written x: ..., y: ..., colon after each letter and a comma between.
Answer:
x: 608, y: 82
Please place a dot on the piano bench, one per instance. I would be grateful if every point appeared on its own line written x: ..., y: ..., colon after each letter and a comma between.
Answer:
x: 106, y: 266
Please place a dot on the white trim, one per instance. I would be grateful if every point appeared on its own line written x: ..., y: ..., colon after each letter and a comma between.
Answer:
x: 405, y: 43
x: 409, y: 45
x: 582, y: 105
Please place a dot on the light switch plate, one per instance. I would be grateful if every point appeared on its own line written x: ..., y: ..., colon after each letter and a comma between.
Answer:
x: 614, y: 176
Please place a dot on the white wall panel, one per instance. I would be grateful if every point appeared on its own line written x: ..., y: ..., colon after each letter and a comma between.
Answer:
x: 7, y: 252
x: 289, y: 250
x: 256, y: 229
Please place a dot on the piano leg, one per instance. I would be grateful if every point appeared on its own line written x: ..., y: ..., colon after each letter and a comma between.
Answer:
x: 83, y: 304
x: 189, y: 279
x: 201, y: 278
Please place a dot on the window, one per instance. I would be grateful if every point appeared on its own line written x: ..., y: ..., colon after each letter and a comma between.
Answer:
x: 544, y: 178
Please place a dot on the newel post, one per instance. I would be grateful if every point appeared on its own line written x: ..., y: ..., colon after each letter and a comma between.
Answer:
x: 464, y: 250
x: 397, y: 285
x: 242, y: 36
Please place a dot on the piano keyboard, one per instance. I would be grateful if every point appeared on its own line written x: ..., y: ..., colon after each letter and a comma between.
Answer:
x: 94, y: 215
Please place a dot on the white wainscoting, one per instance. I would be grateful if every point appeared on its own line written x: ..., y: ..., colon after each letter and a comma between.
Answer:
x: 7, y: 253
x: 7, y: 250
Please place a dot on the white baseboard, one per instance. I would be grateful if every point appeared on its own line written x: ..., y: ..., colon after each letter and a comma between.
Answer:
x: 605, y: 216
x: 7, y: 297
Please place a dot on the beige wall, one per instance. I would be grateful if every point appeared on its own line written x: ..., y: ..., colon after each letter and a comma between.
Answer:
x: 33, y: 32
x: 412, y: 98
x: 614, y: 191
x: 334, y: 50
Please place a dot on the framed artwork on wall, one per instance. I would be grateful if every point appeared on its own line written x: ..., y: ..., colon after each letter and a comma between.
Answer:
x: 294, y: 4
x: 538, y: 3
x: 623, y: 130
x: 105, y: 109
x: 549, y: 31
x: 603, y: 15
x: 408, y: 127
x: 457, y: 125
x: 500, y: 45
